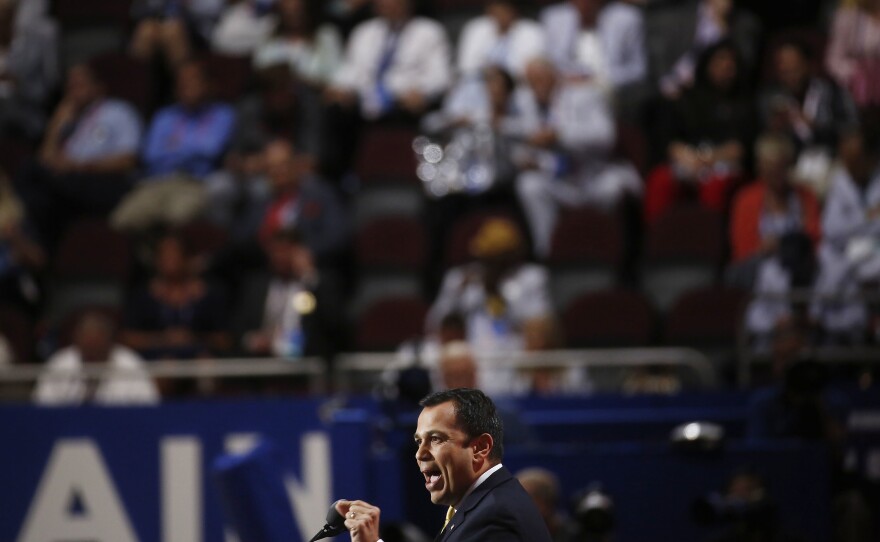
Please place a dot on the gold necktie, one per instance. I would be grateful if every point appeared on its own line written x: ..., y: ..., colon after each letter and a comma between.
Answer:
x: 449, y: 514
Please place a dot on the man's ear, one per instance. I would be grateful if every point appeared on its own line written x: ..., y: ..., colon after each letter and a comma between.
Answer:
x: 482, y: 446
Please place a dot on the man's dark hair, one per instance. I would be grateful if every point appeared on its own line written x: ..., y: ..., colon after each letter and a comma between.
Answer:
x: 475, y: 414
x: 802, y: 47
x: 289, y: 234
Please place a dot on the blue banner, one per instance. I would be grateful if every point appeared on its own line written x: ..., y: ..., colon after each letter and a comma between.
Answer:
x: 143, y: 474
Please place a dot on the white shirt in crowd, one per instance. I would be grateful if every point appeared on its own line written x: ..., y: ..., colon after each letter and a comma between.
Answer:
x: 241, y: 29
x: 614, y: 50
x: 482, y: 45
x: 420, y: 60
x: 849, y: 255
x: 124, y: 381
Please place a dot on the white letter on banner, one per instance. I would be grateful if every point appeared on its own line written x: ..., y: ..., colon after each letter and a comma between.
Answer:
x: 311, y: 498
x: 181, y: 465
x: 76, y: 499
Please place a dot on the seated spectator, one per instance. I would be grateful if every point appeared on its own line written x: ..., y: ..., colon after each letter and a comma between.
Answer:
x: 773, y: 230
x: 804, y: 407
x: 291, y: 309
x: 810, y: 109
x: 177, y: 314
x: 301, y: 200
x: 395, y: 61
x: 396, y: 67
x: 172, y: 29
x: 457, y: 367
x: 497, y: 294
x: 764, y: 211
x: 601, y: 40
x: 123, y: 380
x: 283, y: 108
x: 709, y: 129
x: 685, y: 30
x: 184, y: 144
x: 29, y: 70
x: 87, y: 157
x: 501, y: 37
x: 310, y: 48
x: 849, y: 256
x: 570, y: 131
x: 853, y: 55
x: 244, y: 25
x: 477, y: 171
x: 543, y: 487
x: 541, y: 335
x: 21, y: 257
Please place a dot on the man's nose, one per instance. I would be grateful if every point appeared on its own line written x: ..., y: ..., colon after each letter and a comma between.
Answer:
x: 422, y: 452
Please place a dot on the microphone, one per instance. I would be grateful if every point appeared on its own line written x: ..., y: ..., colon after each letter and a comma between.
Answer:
x: 335, y: 524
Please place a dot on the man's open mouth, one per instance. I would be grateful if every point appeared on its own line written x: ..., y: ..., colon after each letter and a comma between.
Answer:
x: 432, y: 478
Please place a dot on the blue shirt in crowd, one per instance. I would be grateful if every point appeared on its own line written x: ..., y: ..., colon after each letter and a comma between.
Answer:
x: 188, y: 141
x: 105, y: 129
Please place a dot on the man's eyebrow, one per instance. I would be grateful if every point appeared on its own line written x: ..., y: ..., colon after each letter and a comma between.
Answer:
x: 429, y: 434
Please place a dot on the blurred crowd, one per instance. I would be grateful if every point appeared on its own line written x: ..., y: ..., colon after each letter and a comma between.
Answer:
x: 199, y: 187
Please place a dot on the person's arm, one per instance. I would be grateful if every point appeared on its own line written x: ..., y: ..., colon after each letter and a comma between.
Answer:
x: 120, y: 163
x: 837, y: 61
x: 51, y: 151
x: 448, y: 300
x: 350, y: 76
x: 330, y: 226
x: 330, y: 52
x: 25, y: 251
x: 213, y: 139
x: 585, y: 123
x: 469, y: 59
x: 624, y: 44
x: 434, y: 75
x: 158, y: 156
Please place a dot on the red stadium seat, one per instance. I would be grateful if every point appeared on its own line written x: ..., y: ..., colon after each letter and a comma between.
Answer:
x: 684, y: 250
x: 18, y: 330
x: 391, y: 242
x: 608, y: 318
x: 385, y: 155
x: 706, y: 317
x: 387, y: 323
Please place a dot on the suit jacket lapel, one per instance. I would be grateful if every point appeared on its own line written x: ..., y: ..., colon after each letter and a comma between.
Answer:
x: 497, y: 478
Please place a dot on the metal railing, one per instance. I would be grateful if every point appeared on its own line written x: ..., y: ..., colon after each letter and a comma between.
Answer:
x: 312, y: 370
x: 350, y: 369
x: 361, y: 371
x: 748, y: 356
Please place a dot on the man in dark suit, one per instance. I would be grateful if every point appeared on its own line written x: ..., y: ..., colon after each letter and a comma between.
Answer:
x: 289, y: 309
x: 459, y: 439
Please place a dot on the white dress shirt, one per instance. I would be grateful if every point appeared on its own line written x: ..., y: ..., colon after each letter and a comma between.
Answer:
x: 123, y: 383
x: 849, y: 255
x: 421, y: 59
x: 620, y: 37
x: 482, y: 45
